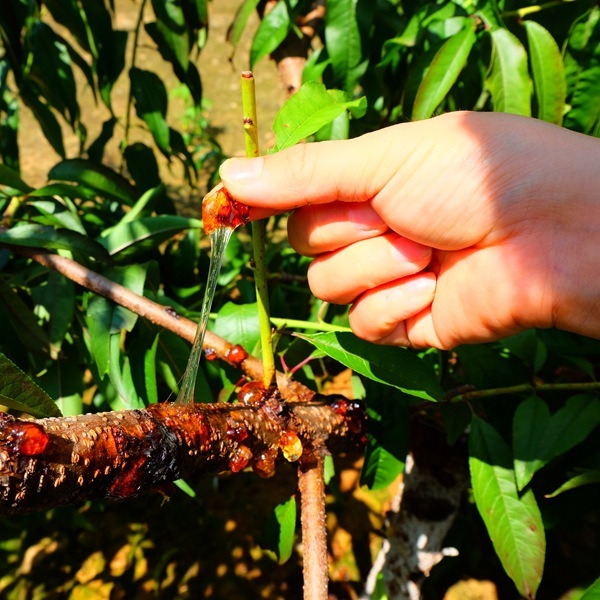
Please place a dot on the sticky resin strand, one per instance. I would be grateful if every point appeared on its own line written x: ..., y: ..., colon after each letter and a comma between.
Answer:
x: 221, y: 215
x: 219, y: 238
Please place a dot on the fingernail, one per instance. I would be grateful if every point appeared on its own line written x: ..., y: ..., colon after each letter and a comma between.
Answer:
x: 241, y: 169
x: 364, y: 217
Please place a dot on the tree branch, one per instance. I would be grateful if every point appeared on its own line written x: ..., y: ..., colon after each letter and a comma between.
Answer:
x: 159, y: 315
x: 117, y: 455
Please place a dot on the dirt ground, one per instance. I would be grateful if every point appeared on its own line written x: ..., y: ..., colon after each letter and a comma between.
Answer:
x: 220, y: 79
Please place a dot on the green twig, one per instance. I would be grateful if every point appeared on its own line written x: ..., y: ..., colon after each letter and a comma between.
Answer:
x: 312, y: 325
x: 258, y: 234
x: 525, y: 387
x: 530, y: 10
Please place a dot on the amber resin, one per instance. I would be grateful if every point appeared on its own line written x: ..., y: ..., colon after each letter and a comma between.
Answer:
x: 219, y: 209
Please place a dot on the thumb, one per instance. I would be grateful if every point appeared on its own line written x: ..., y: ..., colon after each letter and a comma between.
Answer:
x: 349, y: 170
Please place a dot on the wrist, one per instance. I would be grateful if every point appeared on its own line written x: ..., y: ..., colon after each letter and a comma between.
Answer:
x: 575, y: 198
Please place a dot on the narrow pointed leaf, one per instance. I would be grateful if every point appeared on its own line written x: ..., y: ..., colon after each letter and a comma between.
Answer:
x: 20, y: 392
x: 538, y: 437
x: 42, y: 236
x: 146, y: 230
x: 388, y: 436
x: 443, y: 72
x: 307, y: 111
x: 394, y: 366
x: 45, y: 117
x: 279, y: 532
x: 548, y: 73
x: 508, y: 80
x: 514, y: 523
x: 98, y: 177
x: 29, y: 331
x: 343, y: 43
x: 236, y: 29
x: 171, y: 26
x: 271, y: 32
x: 593, y: 592
x: 11, y: 179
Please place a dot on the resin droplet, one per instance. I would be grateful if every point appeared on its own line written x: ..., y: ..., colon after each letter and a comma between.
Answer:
x: 264, y: 463
x: 290, y: 445
x: 219, y: 209
x: 252, y: 392
x: 237, y: 434
x: 236, y: 355
x: 240, y: 459
x: 210, y: 353
x: 29, y: 439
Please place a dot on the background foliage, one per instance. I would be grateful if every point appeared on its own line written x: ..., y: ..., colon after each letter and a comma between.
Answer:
x: 525, y: 409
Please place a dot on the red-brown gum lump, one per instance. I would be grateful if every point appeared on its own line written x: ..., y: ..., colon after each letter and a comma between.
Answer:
x: 219, y: 209
x: 210, y: 354
x: 29, y: 439
x: 236, y: 355
x: 252, y: 392
x: 240, y: 459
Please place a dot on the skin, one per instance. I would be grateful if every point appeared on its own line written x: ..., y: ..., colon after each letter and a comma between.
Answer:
x: 465, y: 228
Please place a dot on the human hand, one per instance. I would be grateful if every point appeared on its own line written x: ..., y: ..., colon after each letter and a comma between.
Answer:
x: 464, y: 228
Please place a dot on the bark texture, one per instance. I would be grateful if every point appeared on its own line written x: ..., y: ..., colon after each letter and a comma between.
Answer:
x: 117, y: 455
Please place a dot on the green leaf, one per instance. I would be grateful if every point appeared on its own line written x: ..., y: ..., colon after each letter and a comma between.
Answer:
x: 278, y: 536
x: 343, y: 42
x: 142, y: 165
x: 19, y: 392
x: 108, y: 48
x: 146, y: 231
x: 150, y: 372
x: 309, y: 109
x: 593, y: 592
x: 508, y: 80
x: 580, y: 478
x: 26, y: 324
x: 56, y: 299
x: 119, y: 372
x: 393, y: 366
x: 513, y: 522
x: 238, y: 323
x: 388, y: 434
x: 45, y: 117
x: 57, y: 214
x: 103, y: 180
x: 443, y: 72
x: 51, y: 71
x: 185, y: 487
x: 539, y: 437
x: 272, y: 30
x: 104, y: 319
x: 548, y: 73
x: 42, y: 236
x: 67, y: 13
x: 151, y: 102
x: 63, y: 380
x: 236, y: 29
x: 11, y: 178
x: 171, y: 26
x: 582, y: 66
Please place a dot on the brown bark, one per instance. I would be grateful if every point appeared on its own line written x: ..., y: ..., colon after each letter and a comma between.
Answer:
x: 311, y: 484
x: 117, y: 455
